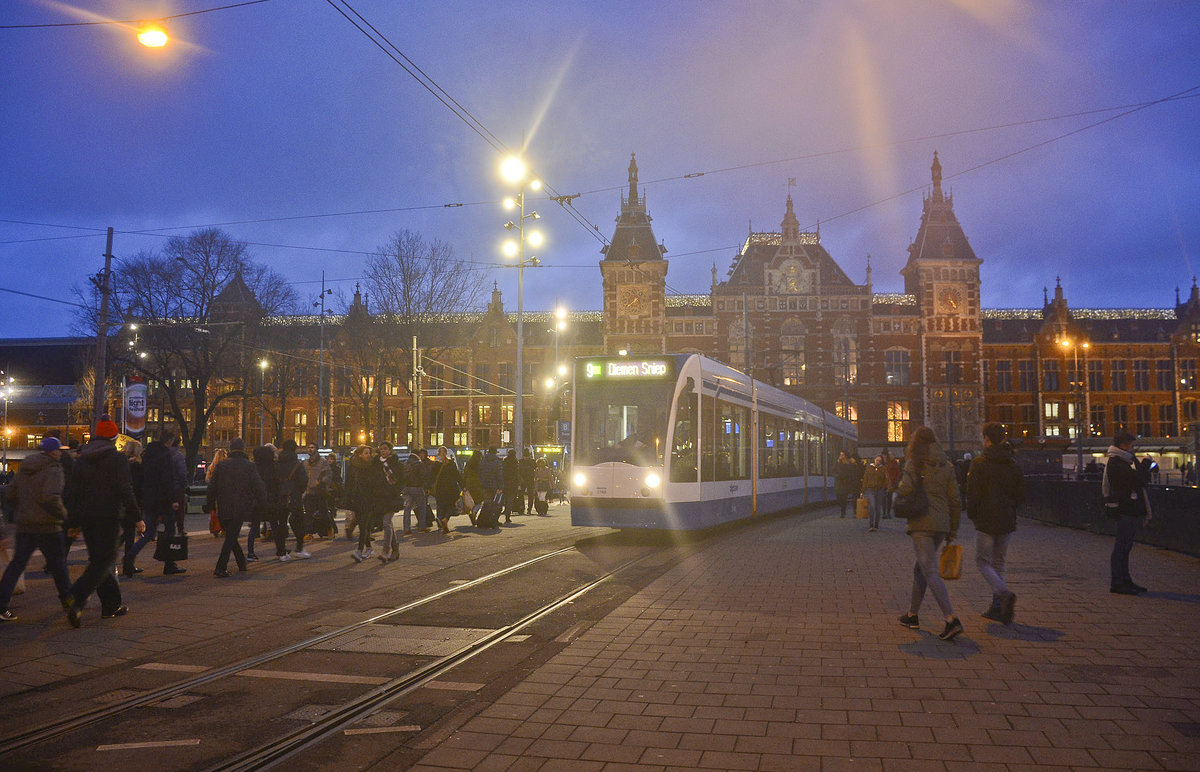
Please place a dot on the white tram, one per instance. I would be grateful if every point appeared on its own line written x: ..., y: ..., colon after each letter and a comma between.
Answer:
x: 669, y: 442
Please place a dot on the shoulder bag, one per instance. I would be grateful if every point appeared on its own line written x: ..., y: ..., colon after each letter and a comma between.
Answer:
x: 915, y: 503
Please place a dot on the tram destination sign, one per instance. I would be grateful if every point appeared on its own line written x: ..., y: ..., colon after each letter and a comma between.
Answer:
x: 625, y: 369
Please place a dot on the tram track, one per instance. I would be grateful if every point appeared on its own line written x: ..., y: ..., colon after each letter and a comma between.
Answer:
x: 287, y: 746
x: 54, y: 729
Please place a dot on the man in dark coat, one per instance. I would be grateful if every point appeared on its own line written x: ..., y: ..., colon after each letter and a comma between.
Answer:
x: 237, y: 494
x: 37, y: 494
x: 415, y: 499
x: 100, y: 498
x: 525, y: 493
x: 1125, y: 501
x: 995, y: 490
x: 845, y: 480
x: 164, y: 494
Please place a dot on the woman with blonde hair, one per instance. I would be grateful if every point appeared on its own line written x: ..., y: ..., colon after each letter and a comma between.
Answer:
x: 925, y: 465
x: 133, y: 451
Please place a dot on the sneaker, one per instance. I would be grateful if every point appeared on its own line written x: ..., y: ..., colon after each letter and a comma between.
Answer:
x: 357, y: 556
x: 1008, y: 608
x: 910, y: 621
x: 7, y: 616
x: 74, y: 612
x: 221, y: 573
x: 952, y: 629
x: 252, y: 558
x: 284, y: 558
x: 1122, y: 589
x: 120, y: 611
x: 368, y: 554
x: 302, y: 554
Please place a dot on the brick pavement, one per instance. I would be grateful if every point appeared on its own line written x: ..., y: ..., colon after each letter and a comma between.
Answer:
x: 777, y: 648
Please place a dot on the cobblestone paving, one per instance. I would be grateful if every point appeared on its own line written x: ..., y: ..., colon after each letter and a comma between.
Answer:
x: 778, y: 648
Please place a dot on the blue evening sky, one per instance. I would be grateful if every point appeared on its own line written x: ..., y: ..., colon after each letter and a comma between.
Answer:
x: 285, y: 125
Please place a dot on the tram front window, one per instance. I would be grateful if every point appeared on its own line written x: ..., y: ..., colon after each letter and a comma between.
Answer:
x: 622, y: 424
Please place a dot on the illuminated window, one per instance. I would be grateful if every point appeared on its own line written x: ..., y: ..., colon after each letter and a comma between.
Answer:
x: 897, y: 421
x: 485, y: 413
x: 1050, y: 410
x: 898, y: 367
x: 847, y: 410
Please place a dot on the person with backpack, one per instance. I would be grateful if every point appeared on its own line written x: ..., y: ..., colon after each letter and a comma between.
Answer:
x: 995, y: 490
x: 101, y: 501
x: 36, y: 492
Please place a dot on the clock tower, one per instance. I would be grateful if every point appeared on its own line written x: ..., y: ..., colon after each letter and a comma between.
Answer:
x: 942, y: 274
x: 634, y: 274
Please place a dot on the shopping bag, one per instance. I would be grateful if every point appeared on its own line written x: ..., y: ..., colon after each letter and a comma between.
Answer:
x: 950, y: 564
x: 171, y: 548
x: 467, y: 502
x: 862, y: 508
x: 214, y: 523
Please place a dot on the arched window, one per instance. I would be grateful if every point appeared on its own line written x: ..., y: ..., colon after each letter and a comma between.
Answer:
x: 792, y: 359
x: 845, y: 353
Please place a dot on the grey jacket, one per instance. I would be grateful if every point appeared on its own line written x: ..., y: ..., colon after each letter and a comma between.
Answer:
x: 37, y: 492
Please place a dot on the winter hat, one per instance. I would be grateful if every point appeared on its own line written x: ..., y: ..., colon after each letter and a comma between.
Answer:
x: 106, y: 429
x: 49, y: 444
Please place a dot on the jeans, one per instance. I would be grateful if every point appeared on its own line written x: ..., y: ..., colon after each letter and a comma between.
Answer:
x: 415, y: 500
x: 390, y: 543
x: 102, y: 539
x: 366, y: 529
x: 990, y: 552
x: 925, y: 572
x: 52, y: 547
x: 1126, y: 530
x: 169, y: 521
x: 875, y: 505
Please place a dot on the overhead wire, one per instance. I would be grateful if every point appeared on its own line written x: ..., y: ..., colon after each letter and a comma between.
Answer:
x: 130, y: 21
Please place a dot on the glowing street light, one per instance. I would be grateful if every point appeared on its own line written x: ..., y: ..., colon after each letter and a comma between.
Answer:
x: 152, y: 35
x: 514, y: 171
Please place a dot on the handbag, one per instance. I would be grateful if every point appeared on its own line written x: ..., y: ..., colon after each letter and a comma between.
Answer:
x: 950, y: 562
x: 214, y: 523
x: 171, y: 548
x: 467, y: 502
x: 914, y: 504
x: 862, y: 508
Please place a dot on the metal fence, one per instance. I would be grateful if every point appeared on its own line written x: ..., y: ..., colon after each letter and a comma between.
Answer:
x: 1078, y: 504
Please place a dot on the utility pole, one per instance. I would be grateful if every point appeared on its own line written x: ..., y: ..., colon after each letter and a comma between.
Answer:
x: 99, y: 398
x: 416, y: 391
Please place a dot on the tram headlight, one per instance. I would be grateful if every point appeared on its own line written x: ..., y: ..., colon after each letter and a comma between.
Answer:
x: 579, y: 479
x: 652, y: 480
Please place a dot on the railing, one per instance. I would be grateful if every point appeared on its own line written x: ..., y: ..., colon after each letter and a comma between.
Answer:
x: 1175, y: 525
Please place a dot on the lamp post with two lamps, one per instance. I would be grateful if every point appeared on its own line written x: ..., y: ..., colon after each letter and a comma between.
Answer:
x: 1077, y: 394
x: 322, y: 413
x: 262, y: 399
x: 514, y: 171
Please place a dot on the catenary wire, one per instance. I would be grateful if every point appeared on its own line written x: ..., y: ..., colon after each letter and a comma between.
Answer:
x: 130, y: 21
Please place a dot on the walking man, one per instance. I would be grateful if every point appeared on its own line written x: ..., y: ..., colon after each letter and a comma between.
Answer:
x: 1125, y: 501
x: 37, y: 494
x: 995, y: 490
x: 100, y: 499
x: 237, y: 494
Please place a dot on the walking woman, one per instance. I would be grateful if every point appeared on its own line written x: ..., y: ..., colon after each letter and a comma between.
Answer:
x: 447, y: 483
x: 925, y: 464
x: 874, y: 487
x: 275, y: 513
x: 293, y: 481
x: 364, y: 481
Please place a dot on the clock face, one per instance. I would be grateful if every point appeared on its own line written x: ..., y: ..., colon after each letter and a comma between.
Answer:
x: 950, y: 300
x: 632, y: 300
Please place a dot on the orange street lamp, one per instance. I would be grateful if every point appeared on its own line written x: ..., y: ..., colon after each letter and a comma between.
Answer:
x: 152, y: 35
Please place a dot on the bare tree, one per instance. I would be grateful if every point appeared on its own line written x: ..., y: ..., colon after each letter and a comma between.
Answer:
x: 198, y: 305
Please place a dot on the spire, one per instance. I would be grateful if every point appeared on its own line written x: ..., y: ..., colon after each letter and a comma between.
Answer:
x: 936, y: 170
x: 496, y: 305
x: 868, y: 269
x: 357, y: 295
x: 633, y: 179
x: 714, y: 275
x: 790, y: 225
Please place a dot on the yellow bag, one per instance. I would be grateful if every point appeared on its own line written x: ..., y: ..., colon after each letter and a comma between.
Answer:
x: 950, y: 564
x: 862, y: 508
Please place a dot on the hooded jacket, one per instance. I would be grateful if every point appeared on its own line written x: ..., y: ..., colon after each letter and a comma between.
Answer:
x: 995, y: 490
x: 941, y: 486
x: 100, y: 486
x: 1123, y: 487
x: 37, y: 492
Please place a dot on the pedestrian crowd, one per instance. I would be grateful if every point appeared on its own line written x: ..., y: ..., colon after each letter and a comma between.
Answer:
x: 131, y: 496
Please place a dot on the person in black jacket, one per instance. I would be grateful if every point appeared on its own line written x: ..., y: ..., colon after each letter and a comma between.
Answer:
x: 276, y: 512
x: 236, y: 493
x: 100, y: 497
x: 391, y: 500
x: 1125, y: 501
x: 164, y: 495
x: 367, y: 496
x: 995, y: 490
x: 447, y: 484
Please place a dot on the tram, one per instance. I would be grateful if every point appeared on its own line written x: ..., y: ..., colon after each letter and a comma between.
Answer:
x: 668, y: 442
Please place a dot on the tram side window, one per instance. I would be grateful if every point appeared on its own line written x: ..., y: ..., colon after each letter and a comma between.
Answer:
x: 708, y: 445
x: 739, y: 439
x: 795, y: 457
x: 768, y: 446
x: 816, y: 452
x: 683, y: 447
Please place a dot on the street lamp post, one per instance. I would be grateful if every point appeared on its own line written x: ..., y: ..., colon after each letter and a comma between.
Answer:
x: 1077, y: 389
x: 262, y: 399
x: 514, y: 171
x: 560, y: 370
x: 321, y: 412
